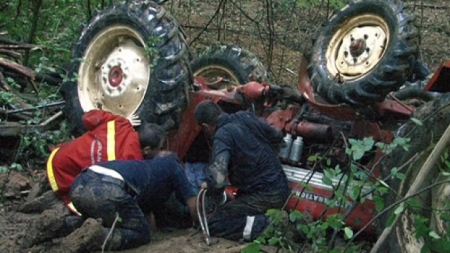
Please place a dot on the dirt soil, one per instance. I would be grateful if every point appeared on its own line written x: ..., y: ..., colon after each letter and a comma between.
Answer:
x: 17, y: 188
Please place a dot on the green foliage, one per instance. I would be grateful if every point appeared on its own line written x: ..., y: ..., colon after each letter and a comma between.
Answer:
x: 359, y: 147
x: 6, y: 98
x: 13, y: 166
x: 36, y: 145
x: 151, y: 49
x: 52, y: 26
x: 397, y: 142
x: 57, y: 27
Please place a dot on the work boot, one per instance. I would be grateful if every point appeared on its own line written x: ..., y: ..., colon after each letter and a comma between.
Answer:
x: 89, y: 237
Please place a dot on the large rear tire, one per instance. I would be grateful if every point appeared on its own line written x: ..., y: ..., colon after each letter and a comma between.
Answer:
x: 134, y: 60
x: 435, y: 116
x: 232, y: 63
x: 366, y: 50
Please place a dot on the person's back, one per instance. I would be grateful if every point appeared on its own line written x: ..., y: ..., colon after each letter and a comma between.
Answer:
x: 254, y: 165
x: 154, y: 180
x: 109, y: 137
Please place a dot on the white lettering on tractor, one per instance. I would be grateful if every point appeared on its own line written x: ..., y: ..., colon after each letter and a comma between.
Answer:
x: 311, y: 196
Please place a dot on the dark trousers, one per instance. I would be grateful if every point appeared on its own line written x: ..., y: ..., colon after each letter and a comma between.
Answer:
x: 99, y: 196
x: 244, y: 217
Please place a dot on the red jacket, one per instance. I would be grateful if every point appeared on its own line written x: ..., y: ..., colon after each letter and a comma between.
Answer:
x: 109, y: 137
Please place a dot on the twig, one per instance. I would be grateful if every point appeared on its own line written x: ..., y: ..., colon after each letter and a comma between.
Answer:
x: 110, y: 232
x: 209, y: 22
x: 18, y: 47
x: 56, y: 103
x: 10, y: 53
x: 3, y: 82
x: 431, y: 6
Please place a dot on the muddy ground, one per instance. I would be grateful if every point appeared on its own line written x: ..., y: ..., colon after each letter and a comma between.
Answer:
x: 18, y: 213
x: 433, y: 20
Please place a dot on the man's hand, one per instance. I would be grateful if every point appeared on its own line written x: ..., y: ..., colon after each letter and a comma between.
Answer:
x: 134, y: 120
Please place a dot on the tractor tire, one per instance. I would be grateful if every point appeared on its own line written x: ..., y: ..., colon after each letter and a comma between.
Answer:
x: 433, y: 202
x: 234, y: 64
x: 133, y: 59
x: 366, y: 50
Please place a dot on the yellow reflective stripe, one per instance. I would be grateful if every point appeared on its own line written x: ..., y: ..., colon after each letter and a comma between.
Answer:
x: 50, y: 173
x: 73, y: 209
x: 110, y: 140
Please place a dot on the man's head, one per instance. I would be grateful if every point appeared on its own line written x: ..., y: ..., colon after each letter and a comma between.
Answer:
x: 152, y: 138
x: 206, y: 114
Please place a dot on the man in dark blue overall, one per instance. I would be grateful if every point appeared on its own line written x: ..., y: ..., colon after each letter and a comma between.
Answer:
x: 245, y: 150
x: 123, y: 192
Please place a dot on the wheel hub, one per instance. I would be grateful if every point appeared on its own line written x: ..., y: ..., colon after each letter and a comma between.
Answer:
x: 357, y: 47
x: 115, y: 76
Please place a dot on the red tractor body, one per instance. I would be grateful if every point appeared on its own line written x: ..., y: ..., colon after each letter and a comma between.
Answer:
x: 320, y: 124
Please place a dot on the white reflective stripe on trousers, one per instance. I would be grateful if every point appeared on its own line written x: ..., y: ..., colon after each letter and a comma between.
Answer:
x: 248, y: 228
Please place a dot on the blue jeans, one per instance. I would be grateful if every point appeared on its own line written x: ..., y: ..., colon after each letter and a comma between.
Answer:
x: 99, y: 196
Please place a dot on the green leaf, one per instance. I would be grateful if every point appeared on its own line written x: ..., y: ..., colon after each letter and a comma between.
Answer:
x: 399, y: 209
x: 434, y: 235
x: 326, y: 180
x: 348, y: 232
x: 414, y: 203
x: 253, y: 247
x: 119, y: 219
x: 417, y: 121
x: 295, y: 215
x: 390, y: 220
x: 400, y: 176
x: 271, y: 212
x: 379, y: 203
x: 273, y: 241
x: 354, y: 193
x: 359, y: 147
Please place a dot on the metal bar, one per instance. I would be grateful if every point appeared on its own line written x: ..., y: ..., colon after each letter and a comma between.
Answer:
x: 202, y: 216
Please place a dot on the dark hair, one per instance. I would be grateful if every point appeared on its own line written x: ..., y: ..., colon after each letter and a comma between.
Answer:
x: 151, y: 135
x: 207, y: 112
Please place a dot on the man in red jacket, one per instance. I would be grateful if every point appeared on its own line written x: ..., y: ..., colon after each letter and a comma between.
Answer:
x: 109, y: 137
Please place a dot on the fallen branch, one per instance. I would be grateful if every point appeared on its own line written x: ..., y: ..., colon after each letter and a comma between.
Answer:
x: 431, y: 6
x: 17, y: 68
x: 18, y: 47
x: 12, y: 54
x: 3, y: 82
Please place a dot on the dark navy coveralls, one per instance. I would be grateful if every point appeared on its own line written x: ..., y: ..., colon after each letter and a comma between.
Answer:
x: 245, y: 150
